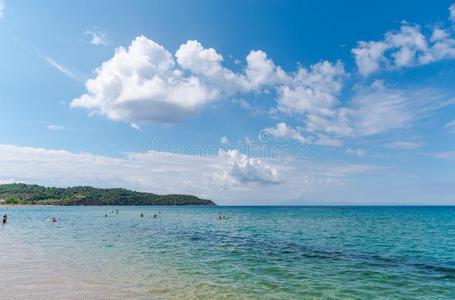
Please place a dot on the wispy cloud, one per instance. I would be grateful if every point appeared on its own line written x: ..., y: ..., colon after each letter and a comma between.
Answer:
x: 135, y: 126
x: 448, y: 155
x: 405, y: 145
x: 282, y: 130
x: 372, y: 110
x: 357, y: 152
x: 381, y: 108
x: 97, y: 37
x: 62, y: 69
x: 53, y: 127
x: 450, y: 126
x: 2, y: 8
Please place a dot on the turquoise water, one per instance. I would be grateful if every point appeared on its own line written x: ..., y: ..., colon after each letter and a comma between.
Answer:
x: 255, y: 253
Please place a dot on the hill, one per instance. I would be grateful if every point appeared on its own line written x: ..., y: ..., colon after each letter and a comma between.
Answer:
x: 20, y: 193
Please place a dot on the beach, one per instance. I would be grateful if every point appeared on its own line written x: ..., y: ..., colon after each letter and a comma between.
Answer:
x: 255, y: 253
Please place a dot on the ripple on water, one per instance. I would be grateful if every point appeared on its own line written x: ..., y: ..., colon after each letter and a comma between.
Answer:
x: 274, y: 252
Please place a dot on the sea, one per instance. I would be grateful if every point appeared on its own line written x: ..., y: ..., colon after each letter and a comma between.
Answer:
x: 188, y: 252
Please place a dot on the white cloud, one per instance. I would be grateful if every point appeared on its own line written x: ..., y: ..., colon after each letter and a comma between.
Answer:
x: 405, y: 145
x: 313, y: 90
x: 372, y: 110
x: 160, y: 172
x: 227, y: 177
x: 97, y: 37
x: 142, y: 84
x: 62, y: 69
x: 406, y: 48
x: 224, y: 140
x: 145, y: 83
x: 261, y: 71
x: 283, y: 131
x: 207, y: 63
x: 247, y: 170
x: 369, y: 56
x: 312, y: 95
x: 439, y: 35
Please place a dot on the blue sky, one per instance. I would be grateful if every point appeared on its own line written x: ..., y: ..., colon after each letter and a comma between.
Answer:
x: 243, y: 102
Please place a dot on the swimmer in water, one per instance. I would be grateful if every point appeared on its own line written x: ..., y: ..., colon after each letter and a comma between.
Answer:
x: 155, y: 216
x: 54, y: 220
x: 5, y: 218
x: 142, y: 215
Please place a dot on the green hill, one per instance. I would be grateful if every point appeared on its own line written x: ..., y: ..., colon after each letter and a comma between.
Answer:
x: 19, y: 193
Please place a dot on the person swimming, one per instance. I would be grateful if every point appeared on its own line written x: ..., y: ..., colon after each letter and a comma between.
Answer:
x: 142, y: 215
x: 54, y: 220
x: 155, y: 216
x: 5, y: 218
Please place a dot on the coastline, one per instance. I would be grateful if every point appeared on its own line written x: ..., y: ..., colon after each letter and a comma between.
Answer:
x: 21, y: 193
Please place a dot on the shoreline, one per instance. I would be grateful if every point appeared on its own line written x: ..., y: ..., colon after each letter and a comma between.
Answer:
x: 30, y: 272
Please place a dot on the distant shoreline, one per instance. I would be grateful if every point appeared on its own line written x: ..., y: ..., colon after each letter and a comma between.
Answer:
x: 244, y: 206
x: 121, y: 205
x: 29, y: 194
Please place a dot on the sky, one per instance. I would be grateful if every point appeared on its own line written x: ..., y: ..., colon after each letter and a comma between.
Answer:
x: 241, y: 102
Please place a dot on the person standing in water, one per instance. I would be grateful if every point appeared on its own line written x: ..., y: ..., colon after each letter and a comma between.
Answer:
x: 5, y: 218
x: 142, y: 215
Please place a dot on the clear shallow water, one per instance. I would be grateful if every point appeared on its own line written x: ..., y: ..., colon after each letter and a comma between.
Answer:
x: 256, y: 253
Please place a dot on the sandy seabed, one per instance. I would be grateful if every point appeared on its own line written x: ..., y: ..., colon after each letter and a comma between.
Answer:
x: 27, y: 273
